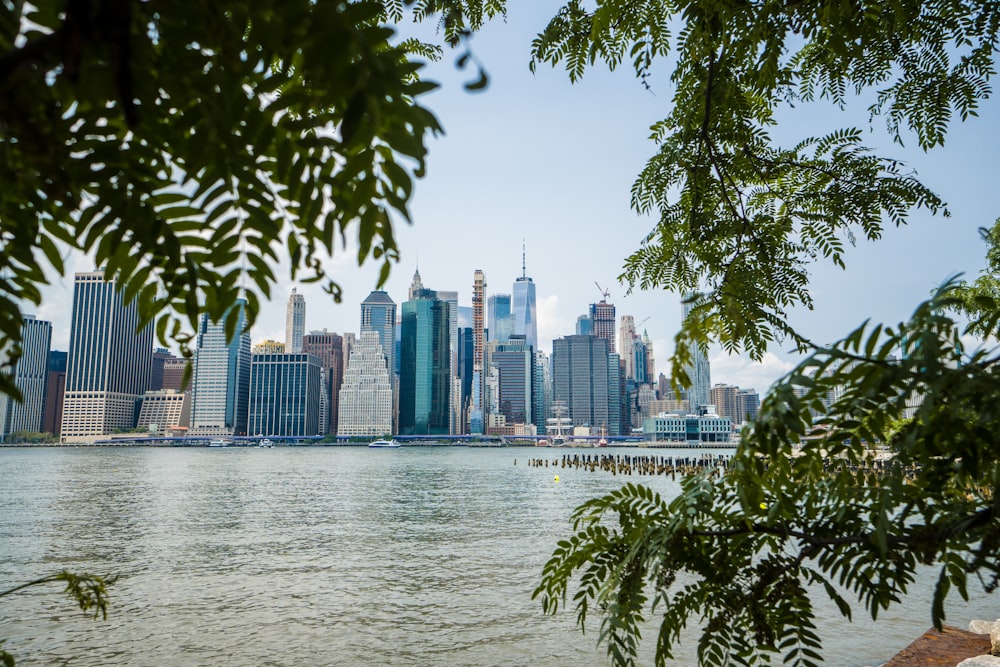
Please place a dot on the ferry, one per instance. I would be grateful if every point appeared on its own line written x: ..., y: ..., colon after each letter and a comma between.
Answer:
x: 383, y: 444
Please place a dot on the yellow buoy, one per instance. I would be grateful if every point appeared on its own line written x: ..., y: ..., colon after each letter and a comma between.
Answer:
x: 557, y: 478
x: 763, y: 506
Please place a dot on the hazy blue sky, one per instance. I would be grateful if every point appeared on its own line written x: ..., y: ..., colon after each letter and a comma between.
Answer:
x: 536, y: 158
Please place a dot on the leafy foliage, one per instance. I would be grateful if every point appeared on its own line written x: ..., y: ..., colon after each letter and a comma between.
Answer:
x: 805, y: 508
x: 90, y: 593
x: 740, y: 218
x: 188, y: 146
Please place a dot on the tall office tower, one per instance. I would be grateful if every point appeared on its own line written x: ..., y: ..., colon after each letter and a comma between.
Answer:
x: 602, y: 318
x: 640, y: 354
x: 476, y: 420
x: 500, y: 320
x: 465, y: 317
x: 295, y: 322
x: 451, y: 299
x: 284, y: 395
x: 30, y: 374
x: 415, y: 285
x: 55, y: 390
x: 378, y: 314
x: 465, y: 373
x: 424, y: 374
x: 515, y: 365
x: 698, y: 370
x: 524, y: 308
x: 650, y: 361
x: 725, y: 398
x: 583, y: 381
x: 584, y: 326
x: 542, y: 392
x: 221, y: 378
x: 349, y: 342
x: 619, y: 413
x: 366, y: 393
x: 626, y: 336
x: 328, y: 347
x: 109, y: 363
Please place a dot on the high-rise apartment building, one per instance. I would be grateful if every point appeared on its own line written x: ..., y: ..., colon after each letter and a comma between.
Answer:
x: 328, y: 347
x: 524, y: 309
x: 164, y: 410
x: 424, y: 366
x: 584, y: 326
x: 366, y: 393
x: 109, y: 362
x: 697, y: 369
x: 221, y: 380
x: 30, y: 374
x: 626, y: 336
x: 173, y: 374
x: 476, y: 417
x: 378, y: 314
x: 587, y: 381
x: 284, y: 395
x: 725, y: 398
x: 295, y: 322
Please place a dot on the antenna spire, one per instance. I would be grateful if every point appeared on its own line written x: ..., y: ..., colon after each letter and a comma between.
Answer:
x: 524, y: 270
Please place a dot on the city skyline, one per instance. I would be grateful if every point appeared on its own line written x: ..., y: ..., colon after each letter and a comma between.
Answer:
x: 539, y: 164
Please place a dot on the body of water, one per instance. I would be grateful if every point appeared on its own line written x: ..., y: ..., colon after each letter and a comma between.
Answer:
x: 319, y: 556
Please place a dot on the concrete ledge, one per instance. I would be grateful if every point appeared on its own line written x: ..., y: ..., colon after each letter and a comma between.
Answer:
x: 946, y: 648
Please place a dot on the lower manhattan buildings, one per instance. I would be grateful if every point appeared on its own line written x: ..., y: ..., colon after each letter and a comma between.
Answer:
x: 221, y: 377
x: 30, y: 376
x: 366, y: 392
x: 284, y: 395
x: 109, y: 363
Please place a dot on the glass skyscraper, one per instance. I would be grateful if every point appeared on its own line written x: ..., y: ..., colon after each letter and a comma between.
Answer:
x: 285, y: 395
x: 295, y: 322
x: 499, y: 319
x: 221, y: 377
x: 587, y: 380
x: 109, y: 364
x: 699, y: 393
x: 424, y: 366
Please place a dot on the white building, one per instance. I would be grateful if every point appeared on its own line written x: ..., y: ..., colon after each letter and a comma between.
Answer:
x: 366, y: 392
x: 164, y: 410
x: 295, y: 322
x: 221, y: 383
x: 707, y: 429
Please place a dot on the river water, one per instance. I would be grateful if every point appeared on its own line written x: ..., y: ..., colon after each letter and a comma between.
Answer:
x: 320, y: 556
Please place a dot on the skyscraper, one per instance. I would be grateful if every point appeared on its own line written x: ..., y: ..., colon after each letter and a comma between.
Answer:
x: 514, y: 362
x: 378, y: 314
x: 524, y: 309
x: 328, y: 347
x: 30, y: 375
x: 284, y: 395
x: 366, y: 393
x: 476, y: 423
x: 586, y: 379
x: 55, y: 392
x: 221, y: 378
x: 295, y: 322
x: 698, y: 371
x: 626, y: 335
x: 500, y: 320
x: 109, y: 363
x: 602, y: 318
x: 424, y: 366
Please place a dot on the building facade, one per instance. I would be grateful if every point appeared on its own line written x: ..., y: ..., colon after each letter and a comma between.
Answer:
x: 698, y: 371
x: 514, y: 362
x: 500, y: 318
x: 366, y: 393
x: 164, y: 410
x: 693, y: 430
x: 109, y: 364
x: 585, y: 382
x: 295, y: 322
x: 284, y: 395
x: 328, y: 347
x: 602, y: 321
x: 378, y: 314
x: 30, y: 374
x: 55, y: 392
x: 424, y: 366
x: 221, y: 378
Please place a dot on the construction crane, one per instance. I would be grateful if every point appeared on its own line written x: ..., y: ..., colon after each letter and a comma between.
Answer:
x: 643, y: 322
x: 605, y: 293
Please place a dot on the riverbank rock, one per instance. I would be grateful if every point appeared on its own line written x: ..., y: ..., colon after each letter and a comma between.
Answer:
x: 980, y: 661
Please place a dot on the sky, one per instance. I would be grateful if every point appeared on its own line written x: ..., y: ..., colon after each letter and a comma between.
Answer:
x: 537, y: 160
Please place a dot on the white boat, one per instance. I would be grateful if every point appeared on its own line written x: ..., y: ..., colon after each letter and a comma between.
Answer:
x: 218, y: 442
x: 383, y: 444
x: 265, y: 443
